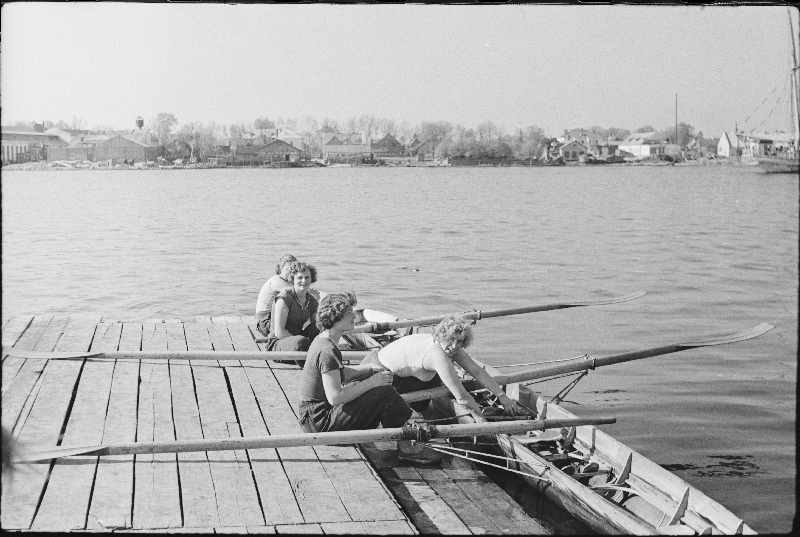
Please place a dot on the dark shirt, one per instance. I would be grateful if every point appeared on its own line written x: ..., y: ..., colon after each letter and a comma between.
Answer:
x: 323, y: 356
x: 298, y: 315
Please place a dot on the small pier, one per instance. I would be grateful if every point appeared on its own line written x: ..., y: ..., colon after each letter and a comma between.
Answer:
x: 323, y: 490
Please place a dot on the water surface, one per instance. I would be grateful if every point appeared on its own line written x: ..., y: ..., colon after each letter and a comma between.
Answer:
x: 716, y: 248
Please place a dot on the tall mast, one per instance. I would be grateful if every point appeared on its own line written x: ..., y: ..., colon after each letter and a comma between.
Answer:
x: 795, y: 72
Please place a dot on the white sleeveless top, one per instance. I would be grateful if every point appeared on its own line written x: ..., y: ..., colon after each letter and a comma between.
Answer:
x: 404, y: 356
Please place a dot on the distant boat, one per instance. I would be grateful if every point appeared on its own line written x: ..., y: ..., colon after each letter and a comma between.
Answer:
x: 778, y: 152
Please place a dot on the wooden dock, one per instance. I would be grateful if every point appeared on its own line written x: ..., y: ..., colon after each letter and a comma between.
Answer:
x: 331, y: 490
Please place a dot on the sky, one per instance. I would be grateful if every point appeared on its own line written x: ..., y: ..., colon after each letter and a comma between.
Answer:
x: 556, y: 67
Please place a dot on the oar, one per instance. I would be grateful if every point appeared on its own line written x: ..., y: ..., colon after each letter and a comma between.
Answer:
x: 591, y: 363
x: 478, y: 315
x: 421, y: 432
x: 172, y: 355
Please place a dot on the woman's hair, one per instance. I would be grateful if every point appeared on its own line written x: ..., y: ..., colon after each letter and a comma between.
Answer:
x: 298, y: 267
x: 288, y: 258
x: 452, y: 328
x: 333, y: 307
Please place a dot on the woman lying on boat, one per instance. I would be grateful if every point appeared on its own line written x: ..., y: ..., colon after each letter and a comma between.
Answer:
x: 292, y: 327
x: 423, y: 361
x: 270, y: 290
x: 335, y: 397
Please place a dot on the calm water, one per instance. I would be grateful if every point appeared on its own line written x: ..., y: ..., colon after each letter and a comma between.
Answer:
x: 716, y: 249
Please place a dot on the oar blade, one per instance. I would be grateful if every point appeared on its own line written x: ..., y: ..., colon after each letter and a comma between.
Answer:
x: 55, y: 453
x: 613, y: 300
x: 38, y: 355
x: 731, y: 338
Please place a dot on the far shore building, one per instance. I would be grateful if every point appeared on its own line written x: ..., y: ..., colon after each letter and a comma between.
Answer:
x: 572, y: 151
x: 388, y: 146
x: 423, y: 150
x: 345, y: 152
x: 23, y: 144
x: 132, y: 146
x: 278, y: 151
x: 291, y: 138
x: 643, y: 144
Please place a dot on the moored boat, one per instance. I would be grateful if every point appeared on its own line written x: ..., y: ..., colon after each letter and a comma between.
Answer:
x: 597, y: 479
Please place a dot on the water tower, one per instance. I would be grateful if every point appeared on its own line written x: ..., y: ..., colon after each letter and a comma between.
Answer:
x: 139, y: 122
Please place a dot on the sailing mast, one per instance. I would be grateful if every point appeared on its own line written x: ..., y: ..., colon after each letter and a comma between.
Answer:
x: 795, y: 72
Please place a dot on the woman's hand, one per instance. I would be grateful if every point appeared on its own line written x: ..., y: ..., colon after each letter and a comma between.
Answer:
x: 382, y: 378
x: 510, y: 407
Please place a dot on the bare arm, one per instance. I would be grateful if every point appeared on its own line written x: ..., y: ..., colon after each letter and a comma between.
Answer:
x: 339, y: 395
x: 279, y: 316
x: 485, y: 379
x: 361, y: 371
x: 437, y: 360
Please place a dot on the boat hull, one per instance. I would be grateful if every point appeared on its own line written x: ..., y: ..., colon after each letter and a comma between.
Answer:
x: 648, y: 500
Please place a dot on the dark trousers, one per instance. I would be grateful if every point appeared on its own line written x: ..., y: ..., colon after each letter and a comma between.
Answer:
x: 379, y: 406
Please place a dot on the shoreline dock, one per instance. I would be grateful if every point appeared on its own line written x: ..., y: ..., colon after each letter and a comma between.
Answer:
x: 328, y: 489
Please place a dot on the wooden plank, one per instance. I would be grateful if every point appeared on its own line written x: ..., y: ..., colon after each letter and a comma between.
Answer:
x: 44, y: 423
x: 157, y: 494
x: 242, y: 340
x: 491, y: 500
x: 221, y: 339
x: 316, y: 495
x: 376, y: 527
x: 234, y: 484
x: 65, y: 504
x: 26, y: 341
x: 197, y: 487
x: 313, y: 529
x: 277, y: 497
x: 12, y: 330
x: 360, y: 490
x: 111, y: 506
x: 20, y: 389
x: 429, y: 512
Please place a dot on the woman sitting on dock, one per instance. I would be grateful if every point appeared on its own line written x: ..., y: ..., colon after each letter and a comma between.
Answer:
x: 423, y: 361
x: 277, y: 283
x: 335, y: 397
x: 292, y: 327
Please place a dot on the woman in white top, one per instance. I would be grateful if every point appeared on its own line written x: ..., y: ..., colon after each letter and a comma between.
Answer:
x: 421, y: 361
x: 271, y: 289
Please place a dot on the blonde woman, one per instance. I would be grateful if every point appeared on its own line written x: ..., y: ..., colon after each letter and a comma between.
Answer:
x: 422, y: 361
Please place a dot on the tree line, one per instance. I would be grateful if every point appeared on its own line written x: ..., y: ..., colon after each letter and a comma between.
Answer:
x: 487, y: 139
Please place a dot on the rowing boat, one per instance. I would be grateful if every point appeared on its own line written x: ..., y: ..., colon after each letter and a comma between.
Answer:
x: 599, y: 480
x: 602, y: 482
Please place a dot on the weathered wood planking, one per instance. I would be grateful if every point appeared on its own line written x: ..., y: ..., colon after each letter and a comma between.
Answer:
x: 277, y: 498
x: 233, y: 481
x: 46, y: 418
x: 157, y: 495
x: 197, y: 486
x: 12, y: 330
x: 315, y: 494
x: 20, y: 389
x: 65, y: 504
x: 361, y: 491
x: 113, y: 486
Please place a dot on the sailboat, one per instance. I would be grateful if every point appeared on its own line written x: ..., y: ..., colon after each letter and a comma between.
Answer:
x: 779, y: 152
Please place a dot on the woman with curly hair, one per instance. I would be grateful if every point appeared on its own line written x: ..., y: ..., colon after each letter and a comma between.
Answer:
x: 335, y: 397
x: 273, y: 286
x: 422, y: 361
x: 292, y: 327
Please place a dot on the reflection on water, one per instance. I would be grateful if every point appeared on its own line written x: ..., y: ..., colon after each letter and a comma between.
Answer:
x: 715, y: 247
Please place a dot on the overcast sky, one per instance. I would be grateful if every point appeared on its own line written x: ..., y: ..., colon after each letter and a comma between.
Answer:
x: 553, y: 66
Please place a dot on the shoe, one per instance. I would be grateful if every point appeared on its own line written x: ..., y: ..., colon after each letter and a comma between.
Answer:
x: 423, y: 456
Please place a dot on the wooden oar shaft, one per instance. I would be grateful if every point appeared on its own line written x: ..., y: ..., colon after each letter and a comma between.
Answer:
x: 592, y: 363
x: 173, y: 355
x: 478, y: 315
x: 412, y: 432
